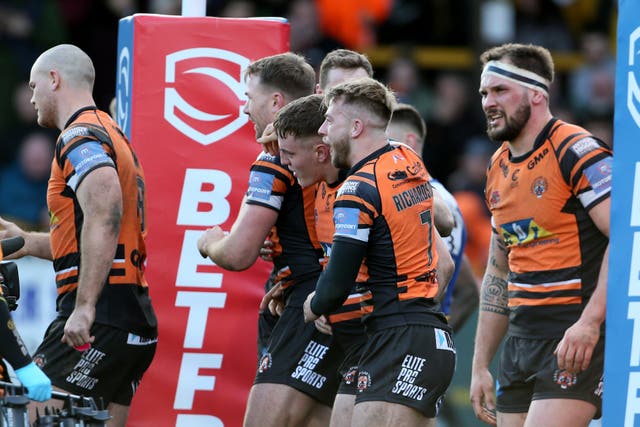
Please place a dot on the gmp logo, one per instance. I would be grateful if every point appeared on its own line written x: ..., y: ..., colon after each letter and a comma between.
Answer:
x: 173, y: 102
x: 633, y: 90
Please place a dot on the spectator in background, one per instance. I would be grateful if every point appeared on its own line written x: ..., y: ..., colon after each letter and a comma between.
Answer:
x: 354, y: 23
x: 541, y: 22
x: 23, y: 184
x: 404, y: 79
x: 306, y: 37
x: 449, y: 23
x: 601, y: 126
x: 23, y: 123
x: 453, y: 121
x: 592, y: 84
x: 93, y: 27
x: 26, y: 28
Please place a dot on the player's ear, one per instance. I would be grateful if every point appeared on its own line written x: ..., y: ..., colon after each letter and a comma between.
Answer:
x: 538, y: 97
x: 357, y: 127
x: 322, y: 152
x: 277, y: 101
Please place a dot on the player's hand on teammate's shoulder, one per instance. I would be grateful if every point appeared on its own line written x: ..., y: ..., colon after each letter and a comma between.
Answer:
x: 269, y: 140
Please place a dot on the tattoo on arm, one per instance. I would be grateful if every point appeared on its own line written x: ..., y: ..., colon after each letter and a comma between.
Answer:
x: 494, y: 296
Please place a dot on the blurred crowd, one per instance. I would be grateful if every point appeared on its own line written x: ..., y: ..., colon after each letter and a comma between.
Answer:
x: 456, y: 149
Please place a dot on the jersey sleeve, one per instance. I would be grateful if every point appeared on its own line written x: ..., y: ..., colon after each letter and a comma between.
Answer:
x: 355, y: 209
x: 587, y: 166
x: 79, y: 153
x: 268, y: 182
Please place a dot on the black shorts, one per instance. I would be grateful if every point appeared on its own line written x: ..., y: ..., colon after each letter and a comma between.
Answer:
x: 529, y: 371
x: 409, y: 365
x: 348, y: 371
x: 266, y: 321
x: 110, y: 369
x: 301, y: 357
x: 352, y: 345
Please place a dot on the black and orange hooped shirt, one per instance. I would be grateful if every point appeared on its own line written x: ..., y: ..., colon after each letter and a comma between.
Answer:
x: 540, y: 204
x: 386, y: 204
x: 92, y: 140
x: 298, y: 252
x: 346, y: 320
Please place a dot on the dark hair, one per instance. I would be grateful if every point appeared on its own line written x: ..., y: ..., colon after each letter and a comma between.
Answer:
x: 367, y: 94
x: 536, y: 59
x: 408, y: 115
x: 300, y: 118
x: 288, y: 73
x: 343, y: 58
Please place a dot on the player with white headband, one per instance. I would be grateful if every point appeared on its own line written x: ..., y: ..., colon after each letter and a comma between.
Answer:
x: 518, y: 75
x: 548, y: 189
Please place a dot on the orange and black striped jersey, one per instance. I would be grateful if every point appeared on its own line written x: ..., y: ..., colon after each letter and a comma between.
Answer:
x: 297, y: 249
x: 386, y: 204
x: 92, y: 140
x: 346, y: 320
x: 539, y: 204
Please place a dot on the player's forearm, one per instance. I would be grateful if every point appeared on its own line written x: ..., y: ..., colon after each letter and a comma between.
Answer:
x: 493, y: 319
x: 229, y: 256
x: 443, y: 217
x: 38, y: 245
x: 336, y: 281
x: 98, y: 247
x: 596, y: 308
x: 445, y: 267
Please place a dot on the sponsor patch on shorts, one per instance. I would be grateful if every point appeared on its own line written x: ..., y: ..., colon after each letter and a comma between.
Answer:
x: 133, y: 339
x: 443, y: 340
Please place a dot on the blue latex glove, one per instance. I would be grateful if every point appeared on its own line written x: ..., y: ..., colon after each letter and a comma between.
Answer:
x: 37, y: 383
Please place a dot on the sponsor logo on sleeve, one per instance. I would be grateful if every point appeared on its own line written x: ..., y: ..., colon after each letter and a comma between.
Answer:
x: 584, y: 146
x: 346, y: 221
x: 260, y: 185
x: 599, y: 175
x: 349, y: 187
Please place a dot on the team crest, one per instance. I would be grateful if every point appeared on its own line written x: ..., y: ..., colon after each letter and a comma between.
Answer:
x: 364, y: 381
x: 494, y: 199
x: 40, y: 360
x: 539, y: 186
x: 349, y: 377
x: 564, y: 378
x: 265, y: 363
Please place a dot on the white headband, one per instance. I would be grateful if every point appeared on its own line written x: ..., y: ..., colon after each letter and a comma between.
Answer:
x: 517, y: 75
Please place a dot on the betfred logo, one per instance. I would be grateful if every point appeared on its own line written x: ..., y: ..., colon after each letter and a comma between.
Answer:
x: 205, y: 93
